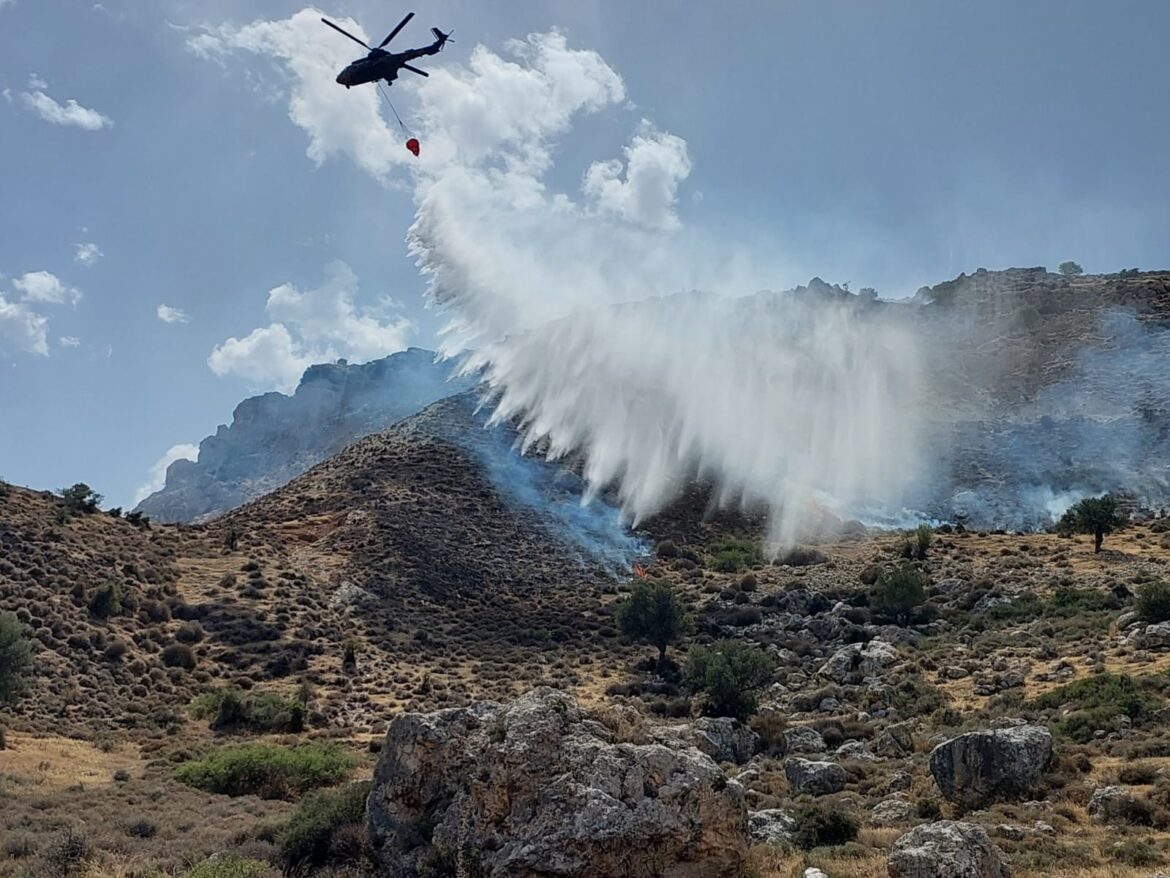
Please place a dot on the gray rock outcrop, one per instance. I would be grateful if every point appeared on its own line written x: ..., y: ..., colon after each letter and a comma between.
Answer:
x: 858, y: 661
x: 978, y: 768
x: 1113, y: 805
x: 772, y: 826
x: 947, y: 849
x: 814, y: 778
x: 538, y: 788
x: 275, y: 437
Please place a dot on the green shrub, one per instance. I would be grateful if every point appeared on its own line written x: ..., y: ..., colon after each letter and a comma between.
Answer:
x: 666, y: 549
x: 1153, y: 602
x: 15, y: 657
x: 898, y: 593
x: 729, y: 673
x: 179, y: 655
x: 106, y: 601
x: 267, y: 770
x: 732, y: 555
x: 227, y: 709
x: 80, y: 499
x: 654, y: 614
x: 1093, y: 703
x: 1136, y: 853
x: 229, y: 866
x: 326, y: 828
x: 923, y: 537
x: 823, y: 826
x: 1067, y: 601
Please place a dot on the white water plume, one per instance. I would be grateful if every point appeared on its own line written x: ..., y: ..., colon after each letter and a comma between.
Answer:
x: 797, y: 402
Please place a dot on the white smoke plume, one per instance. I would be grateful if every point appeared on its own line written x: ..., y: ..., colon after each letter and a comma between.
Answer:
x: 559, y: 297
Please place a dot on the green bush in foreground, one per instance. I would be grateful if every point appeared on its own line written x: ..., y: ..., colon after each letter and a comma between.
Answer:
x: 227, y: 709
x: 267, y: 770
x: 229, y: 866
x: 729, y: 673
x: 328, y: 827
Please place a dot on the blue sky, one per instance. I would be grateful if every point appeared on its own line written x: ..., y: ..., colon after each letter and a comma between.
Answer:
x: 888, y: 145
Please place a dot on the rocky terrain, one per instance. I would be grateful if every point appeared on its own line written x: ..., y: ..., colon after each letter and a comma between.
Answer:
x: 407, y: 661
x: 1014, y: 720
x: 273, y: 438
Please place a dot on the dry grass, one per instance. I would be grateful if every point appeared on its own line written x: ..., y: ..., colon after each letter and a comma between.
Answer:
x: 44, y: 765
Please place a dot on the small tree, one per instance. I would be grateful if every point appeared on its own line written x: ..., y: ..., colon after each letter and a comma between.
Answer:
x: 923, y: 537
x: 653, y: 613
x: 729, y: 673
x: 80, y: 498
x: 1093, y: 515
x: 897, y: 594
x: 1070, y: 269
x: 15, y: 657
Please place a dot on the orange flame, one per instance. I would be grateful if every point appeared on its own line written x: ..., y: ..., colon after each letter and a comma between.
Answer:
x: 640, y: 572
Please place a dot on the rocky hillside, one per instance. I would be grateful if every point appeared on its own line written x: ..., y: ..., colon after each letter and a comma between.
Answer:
x: 1043, y: 388
x: 1047, y: 388
x: 274, y: 438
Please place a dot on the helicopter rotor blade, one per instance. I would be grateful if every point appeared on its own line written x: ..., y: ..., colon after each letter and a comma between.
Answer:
x: 394, y: 32
x: 415, y: 70
x: 347, y: 33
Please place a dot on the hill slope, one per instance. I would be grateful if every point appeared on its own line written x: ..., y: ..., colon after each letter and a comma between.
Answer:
x: 273, y: 437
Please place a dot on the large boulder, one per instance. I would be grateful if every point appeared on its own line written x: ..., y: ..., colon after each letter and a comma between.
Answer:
x: 1113, y: 805
x: 772, y: 826
x: 538, y: 788
x: 814, y: 778
x: 725, y: 739
x: 947, y: 850
x: 804, y: 739
x: 858, y: 661
x: 978, y: 768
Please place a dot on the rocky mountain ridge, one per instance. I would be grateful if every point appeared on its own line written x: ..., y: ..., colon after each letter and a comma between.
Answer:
x: 273, y: 437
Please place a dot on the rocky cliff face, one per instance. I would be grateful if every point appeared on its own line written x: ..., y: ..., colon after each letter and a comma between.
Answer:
x: 273, y: 437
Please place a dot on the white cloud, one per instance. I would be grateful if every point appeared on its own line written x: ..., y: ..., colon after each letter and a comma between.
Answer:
x: 24, y: 328
x: 167, y: 314
x: 43, y: 286
x: 22, y: 324
x: 71, y: 113
x: 656, y: 162
x: 310, y: 327
x: 87, y: 254
x: 351, y: 124
x: 69, y: 341
x: 158, y: 472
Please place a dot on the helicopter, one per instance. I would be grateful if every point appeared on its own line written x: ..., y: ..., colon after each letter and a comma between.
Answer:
x: 383, y: 65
